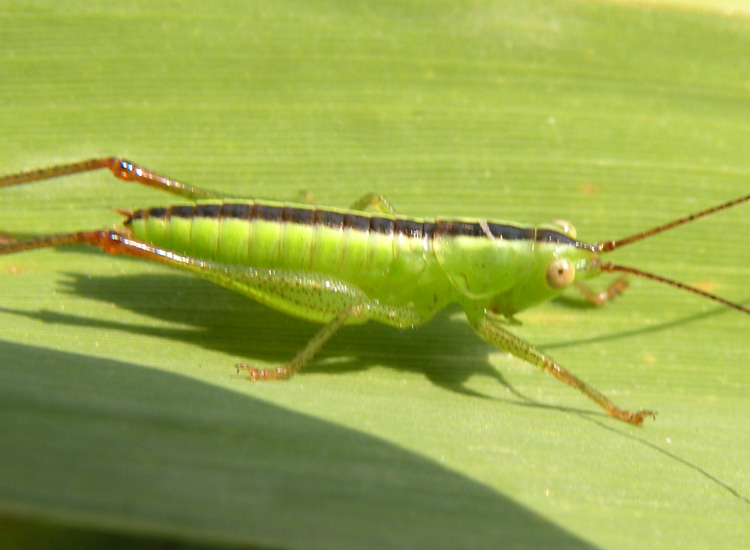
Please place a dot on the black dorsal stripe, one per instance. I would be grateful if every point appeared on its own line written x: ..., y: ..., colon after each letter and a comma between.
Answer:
x: 510, y: 232
x: 382, y: 225
x: 240, y: 211
x: 552, y: 236
x: 266, y: 212
x: 475, y: 229
x: 208, y: 210
x: 409, y: 227
x: 356, y: 222
x: 457, y: 228
x: 304, y: 216
x: 181, y: 211
x: 327, y: 218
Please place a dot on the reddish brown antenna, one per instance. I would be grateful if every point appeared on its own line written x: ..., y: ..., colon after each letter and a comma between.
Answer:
x: 608, y: 266
x: 608, y: 246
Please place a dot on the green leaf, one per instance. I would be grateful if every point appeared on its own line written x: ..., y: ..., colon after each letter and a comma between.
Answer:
x: 120, y: 412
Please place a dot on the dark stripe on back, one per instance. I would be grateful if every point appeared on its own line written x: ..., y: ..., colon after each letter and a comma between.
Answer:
x: 239, y: 211
x: 179, y: 211
x: 208, y: 210
x: 157, y: 212
x: 510, y: 232
x: 382, y: 225
x: 409, y: 228
x: 291, y: 214
x: 266, y: 212
x: 455, y: 228
x: 356, y: 222
x: 552, y: 236
x: 414, y: 229
x: 334, y: 220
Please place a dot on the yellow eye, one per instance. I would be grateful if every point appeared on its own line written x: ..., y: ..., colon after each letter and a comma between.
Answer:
x: 560, y: 273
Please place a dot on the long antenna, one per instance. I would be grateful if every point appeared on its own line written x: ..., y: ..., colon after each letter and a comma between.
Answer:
x: 608, y: 246
x: 608, y: 266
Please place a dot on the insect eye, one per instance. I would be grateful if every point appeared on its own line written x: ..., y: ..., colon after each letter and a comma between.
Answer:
x: 566, y: 227
x: 560, y: 273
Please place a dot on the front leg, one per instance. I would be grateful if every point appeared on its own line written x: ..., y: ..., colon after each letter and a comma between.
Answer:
x: 599, y: 298
x: 490, y: 330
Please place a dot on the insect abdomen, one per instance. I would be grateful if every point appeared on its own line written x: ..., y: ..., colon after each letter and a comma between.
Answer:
x: 354, y: 247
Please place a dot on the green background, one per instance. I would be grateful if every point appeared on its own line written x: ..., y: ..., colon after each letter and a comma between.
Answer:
x: 120, y: 411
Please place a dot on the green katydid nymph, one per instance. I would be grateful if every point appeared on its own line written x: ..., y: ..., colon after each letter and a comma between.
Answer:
x: 346, y: 266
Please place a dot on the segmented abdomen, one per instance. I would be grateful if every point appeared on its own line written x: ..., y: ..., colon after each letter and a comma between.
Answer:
x: 370, y: 251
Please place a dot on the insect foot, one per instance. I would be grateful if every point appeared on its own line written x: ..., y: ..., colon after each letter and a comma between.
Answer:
x: 261, y: 375
x: 614, y: 290
x: 639, y: 417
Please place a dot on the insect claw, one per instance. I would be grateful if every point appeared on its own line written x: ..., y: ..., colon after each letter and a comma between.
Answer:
x: 614, y: 290
x: 640, y: 416
x: 254, y: 373
x: 260, y: 375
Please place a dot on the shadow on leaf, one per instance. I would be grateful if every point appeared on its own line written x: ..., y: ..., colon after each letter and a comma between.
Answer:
x: 108, y: 444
